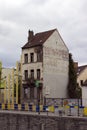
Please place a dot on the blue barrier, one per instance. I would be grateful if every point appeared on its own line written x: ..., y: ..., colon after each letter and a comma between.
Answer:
x: 37, y: 108
x: 81, y: 107
x: 0, y: 106
x: 23, y: 107
x: 44, y: 108
x: 30, y: 107
x: 56, y: 107
x: 16, y: 106
x: 71, y: 106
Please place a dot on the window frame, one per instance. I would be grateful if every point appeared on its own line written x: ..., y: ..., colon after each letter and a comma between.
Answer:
x: 38, y: 74
x: 32, y: 73
x: 31, y: 57
x: 26, y: 74
x: 26, y: 58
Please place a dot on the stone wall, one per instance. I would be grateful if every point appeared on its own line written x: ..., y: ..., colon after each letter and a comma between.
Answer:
x: 26, y: 121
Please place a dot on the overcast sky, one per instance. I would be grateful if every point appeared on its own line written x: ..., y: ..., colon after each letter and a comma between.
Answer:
x: 18, y: 16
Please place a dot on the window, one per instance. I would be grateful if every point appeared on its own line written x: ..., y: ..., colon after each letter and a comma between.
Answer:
x: 39, y: 56
x: 31, y: 92
x: 31, y: 57
x: 32, y: 74
x: 26, y: 74
x: 25, y: 58
x: 25, y: 92
x: 38, y: 73
x: 81, y: 82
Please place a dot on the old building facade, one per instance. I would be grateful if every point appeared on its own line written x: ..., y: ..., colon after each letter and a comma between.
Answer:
x: 44, y: 67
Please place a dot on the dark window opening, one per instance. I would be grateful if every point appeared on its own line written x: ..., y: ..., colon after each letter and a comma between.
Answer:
x: 26, y: 74
x: 31, y: 92
x: 31, y: 57
x: 32, y: 74
x: 38, y: 73
x: 25, y: 58
x: 25, y: 92
x: 81, y: 82
x: 39, y: 56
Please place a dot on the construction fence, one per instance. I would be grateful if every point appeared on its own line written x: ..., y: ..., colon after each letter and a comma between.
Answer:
x: 57, y: 106
x: 58, y: 110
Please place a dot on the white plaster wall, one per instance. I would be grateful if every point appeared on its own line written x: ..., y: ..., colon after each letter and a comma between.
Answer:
x: 84, y: 96
x: 82, y: 76
x: 55, y: 67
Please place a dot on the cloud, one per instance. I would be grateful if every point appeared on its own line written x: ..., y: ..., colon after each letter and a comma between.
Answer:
x: 18, y: 16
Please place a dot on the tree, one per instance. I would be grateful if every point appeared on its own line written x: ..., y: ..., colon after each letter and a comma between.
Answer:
x: 78, y: 91
x: 72, y: 85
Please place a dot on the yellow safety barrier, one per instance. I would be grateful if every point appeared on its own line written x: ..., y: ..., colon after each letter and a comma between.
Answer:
x: 51, y: 108
x: 67, y: 107
x: 76, y: 107
x: 12, y: 106
x: 8, y: 106
x: 26, y: 107
x: 34, y: 108
x: 3, y: 106
x: 85, y: 111
x: 41, y: 107
x: 19, y: 106
x: 67, y: 110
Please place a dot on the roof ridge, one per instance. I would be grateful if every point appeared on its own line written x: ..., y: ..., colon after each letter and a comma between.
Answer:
x: 82, y: 66
x: 46, y: 31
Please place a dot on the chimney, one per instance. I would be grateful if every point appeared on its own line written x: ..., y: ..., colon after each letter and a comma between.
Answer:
x: 30, y: 35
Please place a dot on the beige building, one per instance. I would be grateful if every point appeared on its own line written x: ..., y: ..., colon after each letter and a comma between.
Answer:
x: 82, y: 75
x: 7, y: 81
x: 82, y: 81
x: 44, y: 66
x: 9, y: 77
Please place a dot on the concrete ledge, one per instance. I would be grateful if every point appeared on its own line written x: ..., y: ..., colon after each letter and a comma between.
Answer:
x: 17, y: 120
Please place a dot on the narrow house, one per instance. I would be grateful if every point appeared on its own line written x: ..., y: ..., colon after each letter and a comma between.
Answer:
x: 44, y: 67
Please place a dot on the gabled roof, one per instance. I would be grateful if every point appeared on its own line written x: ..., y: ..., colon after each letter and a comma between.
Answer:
x: 80, y: 69
x: 38, y: 39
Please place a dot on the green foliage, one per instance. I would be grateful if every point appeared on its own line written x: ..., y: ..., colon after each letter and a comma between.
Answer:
x: 78, y: 92
x: 74, y: 91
